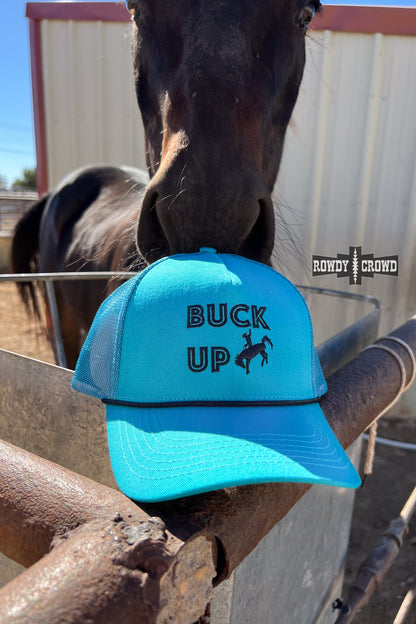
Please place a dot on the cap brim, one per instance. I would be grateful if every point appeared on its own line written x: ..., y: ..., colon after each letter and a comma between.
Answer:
x: 165, y: 453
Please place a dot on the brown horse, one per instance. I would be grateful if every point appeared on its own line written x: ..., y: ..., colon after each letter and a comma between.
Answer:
x: 216, y: 84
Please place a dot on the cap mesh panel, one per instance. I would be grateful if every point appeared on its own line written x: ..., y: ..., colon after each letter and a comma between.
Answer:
x: 97, y: 368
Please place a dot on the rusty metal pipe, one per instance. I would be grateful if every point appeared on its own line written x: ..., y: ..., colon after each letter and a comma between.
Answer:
x: 40, y: 500
x: 109, y: 570
x: 100, y: 558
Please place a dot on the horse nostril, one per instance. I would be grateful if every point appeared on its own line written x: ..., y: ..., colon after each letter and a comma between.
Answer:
x: 151, y: 239
x: 259, y: 243
x: 163, y: 230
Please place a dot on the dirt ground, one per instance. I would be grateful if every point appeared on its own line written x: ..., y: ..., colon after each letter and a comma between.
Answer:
x: 18, y: 332
x: 377, y: 503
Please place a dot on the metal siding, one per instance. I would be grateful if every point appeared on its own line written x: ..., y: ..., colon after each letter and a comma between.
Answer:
x: 91, y: 110
x: 349, y: 162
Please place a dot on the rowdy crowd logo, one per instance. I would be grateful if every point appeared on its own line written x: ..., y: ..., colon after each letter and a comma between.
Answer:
x: 355, y: 265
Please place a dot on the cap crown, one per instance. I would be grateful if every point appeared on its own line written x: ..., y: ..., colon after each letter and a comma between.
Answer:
x: 202, y: 328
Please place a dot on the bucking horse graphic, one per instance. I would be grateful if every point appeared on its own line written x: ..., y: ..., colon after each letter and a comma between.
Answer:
x: 250, y: 351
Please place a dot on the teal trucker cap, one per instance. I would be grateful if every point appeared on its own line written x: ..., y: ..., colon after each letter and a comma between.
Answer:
x: 207, y: 366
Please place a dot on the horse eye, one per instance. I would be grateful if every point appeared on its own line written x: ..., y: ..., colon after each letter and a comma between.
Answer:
x: 306, y: 16
x: 132, y: 6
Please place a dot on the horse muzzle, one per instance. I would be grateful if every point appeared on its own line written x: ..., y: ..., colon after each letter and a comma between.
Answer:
x: 233, y: 213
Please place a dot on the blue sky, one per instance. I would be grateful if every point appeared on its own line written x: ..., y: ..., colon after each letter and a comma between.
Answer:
x: 16, y: 125
x: 17, y: 148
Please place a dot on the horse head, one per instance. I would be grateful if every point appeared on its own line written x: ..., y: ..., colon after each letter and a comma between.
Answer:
x: 216, y: 83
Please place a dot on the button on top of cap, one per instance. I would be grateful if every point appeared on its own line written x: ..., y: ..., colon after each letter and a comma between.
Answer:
x: 207, y: 250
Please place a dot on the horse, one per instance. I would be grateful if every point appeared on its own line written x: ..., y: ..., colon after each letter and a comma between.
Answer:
x: 250, y: 351
x: 216, y: 84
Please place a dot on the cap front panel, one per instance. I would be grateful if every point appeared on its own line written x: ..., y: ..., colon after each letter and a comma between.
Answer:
x: 210, y: 327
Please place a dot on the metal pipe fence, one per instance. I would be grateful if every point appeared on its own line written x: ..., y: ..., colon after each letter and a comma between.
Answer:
x: 100, y: 557
x: 94, y: 555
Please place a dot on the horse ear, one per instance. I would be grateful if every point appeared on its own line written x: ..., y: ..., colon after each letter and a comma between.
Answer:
x: 132, y: 6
